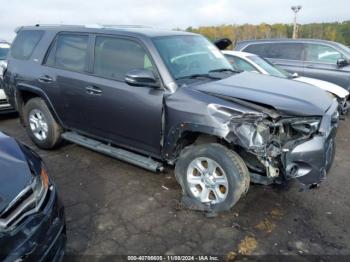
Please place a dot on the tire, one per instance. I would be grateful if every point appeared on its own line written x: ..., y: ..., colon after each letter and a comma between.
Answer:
x: 36, y: 108
x: 234, y: 170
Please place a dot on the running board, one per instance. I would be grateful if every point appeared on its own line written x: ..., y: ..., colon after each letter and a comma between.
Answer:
x: 121, y: 154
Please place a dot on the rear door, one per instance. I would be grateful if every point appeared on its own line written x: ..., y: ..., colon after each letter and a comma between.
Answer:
x: 288, y: 56
x: 63, y: 77
x: 126, y: 115
x: 321, y: 63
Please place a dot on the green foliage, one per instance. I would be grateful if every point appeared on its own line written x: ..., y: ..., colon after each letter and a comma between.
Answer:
x: 339, y: 32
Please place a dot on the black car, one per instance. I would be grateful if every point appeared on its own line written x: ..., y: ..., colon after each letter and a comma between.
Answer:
x: 32, y: 224
x: 156, y: 98
x: 325, y: 60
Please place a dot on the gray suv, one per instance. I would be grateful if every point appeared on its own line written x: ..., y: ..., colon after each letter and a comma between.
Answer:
x: 325, y: 60
x: 169, y: 98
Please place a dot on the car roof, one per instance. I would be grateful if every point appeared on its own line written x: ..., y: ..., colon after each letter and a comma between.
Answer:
x: 289, y: 40
x: 237, y: 53
x: 131, y: 30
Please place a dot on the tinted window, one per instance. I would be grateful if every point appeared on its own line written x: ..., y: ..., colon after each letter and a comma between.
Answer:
x: 322, y: 53
x: 240, y: 64
x: 289, y: 51
x: 69, y: 52
x: 115, y: 57
x: 25, y: 43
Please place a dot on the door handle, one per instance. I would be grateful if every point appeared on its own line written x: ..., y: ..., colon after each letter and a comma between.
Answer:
x: 91, y: 90
x: 310, y: 66
x: 45, y: 79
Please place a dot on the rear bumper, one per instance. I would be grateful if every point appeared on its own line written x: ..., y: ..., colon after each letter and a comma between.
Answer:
x: 5, y: 106
x: 40, y: 237
x: 310, y: 161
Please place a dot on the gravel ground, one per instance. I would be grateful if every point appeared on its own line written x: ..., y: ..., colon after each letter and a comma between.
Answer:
x: 114, y: 208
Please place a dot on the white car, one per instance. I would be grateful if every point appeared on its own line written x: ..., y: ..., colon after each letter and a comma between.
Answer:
x: 249, y: 62
x: 5, y: 107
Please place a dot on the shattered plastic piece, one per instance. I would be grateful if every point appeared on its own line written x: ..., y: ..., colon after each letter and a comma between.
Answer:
x: 164, y: 187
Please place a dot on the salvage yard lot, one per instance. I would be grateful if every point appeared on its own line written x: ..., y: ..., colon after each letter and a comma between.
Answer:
x: 115, y: 208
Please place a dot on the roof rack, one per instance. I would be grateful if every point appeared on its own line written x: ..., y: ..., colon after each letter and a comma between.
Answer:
x: 97, y: 26
x: 38, y: 25
x: 126, y: 26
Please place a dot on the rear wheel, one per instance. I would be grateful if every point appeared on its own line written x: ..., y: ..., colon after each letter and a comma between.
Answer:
x: 41, y: 127
x: 212, y: 175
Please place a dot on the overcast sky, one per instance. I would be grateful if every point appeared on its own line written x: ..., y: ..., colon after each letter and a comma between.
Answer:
x: 165, y: 13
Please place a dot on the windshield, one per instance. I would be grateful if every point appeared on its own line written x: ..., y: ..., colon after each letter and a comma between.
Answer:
x: 4, y: 49
x: 190, y: 55
x: 270, y: 68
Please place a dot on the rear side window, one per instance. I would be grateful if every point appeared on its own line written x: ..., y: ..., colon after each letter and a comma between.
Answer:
x: 25, y: 43
x: 69, y: 52
x: 115, y: 57
x: 289, y: 51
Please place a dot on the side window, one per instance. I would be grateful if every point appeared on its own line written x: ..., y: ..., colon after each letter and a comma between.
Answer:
x: 69, y: 52
x: 114, y: 57
x: 289, y: 51
x: 258, y: 49
x: 322, y: 54
x: 240, y: 64
x: 25, y: 43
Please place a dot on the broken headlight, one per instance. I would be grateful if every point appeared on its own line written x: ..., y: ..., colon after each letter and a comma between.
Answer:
x: 306, y: 126
x: 250, y: 128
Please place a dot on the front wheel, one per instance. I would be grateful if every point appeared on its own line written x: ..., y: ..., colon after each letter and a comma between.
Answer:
x: 212, y: 175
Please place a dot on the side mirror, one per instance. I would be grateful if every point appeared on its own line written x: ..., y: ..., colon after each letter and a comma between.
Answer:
x: 341, y: 62
x: 141, y: 77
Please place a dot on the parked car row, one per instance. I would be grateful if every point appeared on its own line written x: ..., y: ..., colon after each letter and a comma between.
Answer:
x: 321, y: 59
x: 155, y: 99
x: 253, y: 63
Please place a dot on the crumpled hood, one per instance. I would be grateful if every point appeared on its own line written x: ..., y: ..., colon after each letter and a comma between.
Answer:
x: 286, y: 96
x: 15, y: 174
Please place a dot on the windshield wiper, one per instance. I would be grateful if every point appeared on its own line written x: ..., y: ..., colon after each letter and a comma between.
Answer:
x: 197, y: 76
x: 224, y: 70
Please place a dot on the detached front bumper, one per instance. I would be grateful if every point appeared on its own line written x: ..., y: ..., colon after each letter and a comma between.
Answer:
x: 41, y: 237
x: 310, y: 161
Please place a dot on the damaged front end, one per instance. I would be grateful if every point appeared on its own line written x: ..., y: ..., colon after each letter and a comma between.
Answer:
x: 277, y: 148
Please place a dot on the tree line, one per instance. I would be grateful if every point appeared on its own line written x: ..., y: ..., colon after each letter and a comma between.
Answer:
x: 337, y: 31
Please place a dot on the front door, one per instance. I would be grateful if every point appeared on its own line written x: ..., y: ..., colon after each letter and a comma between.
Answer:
x: 321, y: 63
x: 126, y: 115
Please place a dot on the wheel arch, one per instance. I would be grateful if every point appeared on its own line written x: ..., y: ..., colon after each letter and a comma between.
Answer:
x: 187, y: 134
x: 24, y: 92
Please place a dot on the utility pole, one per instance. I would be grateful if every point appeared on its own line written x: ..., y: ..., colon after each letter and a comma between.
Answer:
x: 295, y: 9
